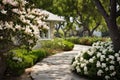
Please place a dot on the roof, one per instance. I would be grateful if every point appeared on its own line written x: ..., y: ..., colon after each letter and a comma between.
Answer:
x: 53, y: 17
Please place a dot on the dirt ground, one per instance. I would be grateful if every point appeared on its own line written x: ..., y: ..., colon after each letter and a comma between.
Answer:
x: 24, y: 76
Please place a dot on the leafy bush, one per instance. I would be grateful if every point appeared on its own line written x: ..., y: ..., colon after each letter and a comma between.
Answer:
x: 67, y: 46
x: 86, y: 40
x: 57, y: 44
x: 21, y: 59
x: 74, y: 40
x: 99, y: 62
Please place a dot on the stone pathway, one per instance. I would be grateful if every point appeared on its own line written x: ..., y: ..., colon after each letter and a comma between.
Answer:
x: 57, y: 67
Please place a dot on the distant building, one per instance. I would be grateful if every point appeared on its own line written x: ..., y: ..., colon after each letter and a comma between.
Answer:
x: 97, y: 33
x: 51, y: 21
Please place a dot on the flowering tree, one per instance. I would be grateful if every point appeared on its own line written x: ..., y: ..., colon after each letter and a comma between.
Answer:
x: 19, y: 24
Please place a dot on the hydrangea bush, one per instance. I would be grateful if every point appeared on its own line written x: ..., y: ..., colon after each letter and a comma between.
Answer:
x: 98, y: 62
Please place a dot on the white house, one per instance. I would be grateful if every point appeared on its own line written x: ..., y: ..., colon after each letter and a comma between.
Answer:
x: 97, y: 33
x: 51, y: 21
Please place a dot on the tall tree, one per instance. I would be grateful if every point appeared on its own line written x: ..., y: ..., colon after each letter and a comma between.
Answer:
x: 110, y: 17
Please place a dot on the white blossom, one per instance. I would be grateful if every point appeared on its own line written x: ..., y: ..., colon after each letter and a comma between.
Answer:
x: 119, y: 51
x: 111, y: 57
x: 74, y: 63
x: 11, y: 2
x: 15, y: 58
x: 102, y: 57
x: 81, y: 59
x: 93, y: 49
x: 18, y: 27
x: 112, y: 67
x: 107, y: 77
x: 118, y: 58
x: 107, y: 59
x: 116, y: 54
x: 78, y: 69
x: 112, y: 62
x: 104, y: 51
x: 1, y: 37
x: 98, y: 54
x: 99, y: 73
x: 82, y: 65
x: 91, y: 60
x: 106, y: 69
x: 103, y: 65
x: 85, y: 69
x: 98, y: 64
x: 19, y: 59
x: 3, y: 11
x: 113, y: 74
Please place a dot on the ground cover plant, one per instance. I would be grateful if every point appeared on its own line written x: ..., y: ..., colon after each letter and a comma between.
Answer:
x: 99, y: 62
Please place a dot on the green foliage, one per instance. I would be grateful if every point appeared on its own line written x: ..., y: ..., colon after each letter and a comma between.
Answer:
x: 57, y: 44
x: 86, y: 56
x: 87, y: 40
x: 74, y: 40
x: 79, y: 10
x: 67, y: 46
x: 21, y: 59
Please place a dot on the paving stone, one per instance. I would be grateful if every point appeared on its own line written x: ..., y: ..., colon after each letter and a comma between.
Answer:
x: 57, y: 67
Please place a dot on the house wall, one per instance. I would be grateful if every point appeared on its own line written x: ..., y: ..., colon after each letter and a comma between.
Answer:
x: 51, y: 34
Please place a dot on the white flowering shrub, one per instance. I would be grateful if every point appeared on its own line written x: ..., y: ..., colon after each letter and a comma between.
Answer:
x: 98, y: 62
x: 19, y: 23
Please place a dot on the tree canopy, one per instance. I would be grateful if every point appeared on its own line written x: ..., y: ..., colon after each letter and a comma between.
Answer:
x: 84, y: 12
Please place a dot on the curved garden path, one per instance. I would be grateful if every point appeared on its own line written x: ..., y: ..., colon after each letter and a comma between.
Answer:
x: 57, y: 67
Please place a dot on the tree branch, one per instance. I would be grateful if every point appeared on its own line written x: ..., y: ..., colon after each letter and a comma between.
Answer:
x: 118, y: 13
x: 113, y: 11
x: 101, y: 9
x: 97, y: 25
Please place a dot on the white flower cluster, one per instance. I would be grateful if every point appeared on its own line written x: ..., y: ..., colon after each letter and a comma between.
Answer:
x: 14, y: 2
x: 100, y: 57
x: 31, y: 18
x: 17, y: 59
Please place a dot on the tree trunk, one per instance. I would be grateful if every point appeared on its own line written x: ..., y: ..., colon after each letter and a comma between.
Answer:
x: 111, y: 22
x: 112, y: 26
x: 2, y: 66
x: 114, y: 35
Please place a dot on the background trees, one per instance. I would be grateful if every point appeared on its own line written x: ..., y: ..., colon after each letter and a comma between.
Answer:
x: 87, y: 16
x: 83, y: 12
